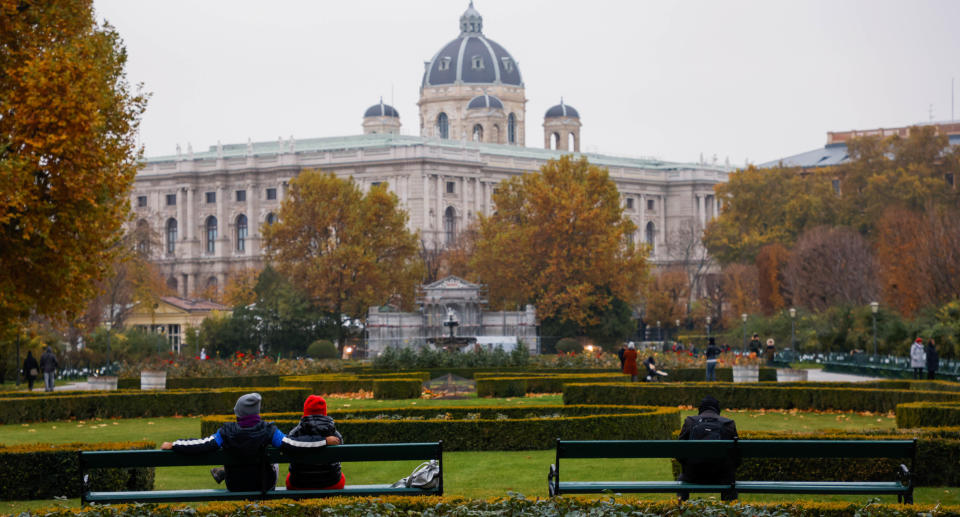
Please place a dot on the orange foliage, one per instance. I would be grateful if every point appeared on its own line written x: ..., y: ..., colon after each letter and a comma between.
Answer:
x: 771, y: 260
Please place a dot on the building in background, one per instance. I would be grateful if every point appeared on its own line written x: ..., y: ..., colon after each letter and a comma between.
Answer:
x: 209, y: 205
x: 171, y: 316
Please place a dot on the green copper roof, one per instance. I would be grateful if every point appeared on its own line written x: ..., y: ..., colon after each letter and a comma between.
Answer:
x: 372, y: 141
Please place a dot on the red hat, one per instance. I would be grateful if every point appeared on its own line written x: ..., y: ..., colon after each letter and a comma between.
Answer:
x: 919, y: 340
x: 314, y: 405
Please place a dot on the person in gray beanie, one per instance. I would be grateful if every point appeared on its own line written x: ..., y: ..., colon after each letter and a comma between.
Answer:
x: 249, y: 434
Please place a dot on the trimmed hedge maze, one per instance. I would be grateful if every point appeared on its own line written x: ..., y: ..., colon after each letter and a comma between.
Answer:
x: 466, y: 428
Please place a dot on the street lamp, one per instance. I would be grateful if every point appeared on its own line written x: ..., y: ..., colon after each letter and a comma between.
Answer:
x: 677, y: 337
x: 793, y: 328
x: 744, y: 318
x: 708, y: 327
x: 659, y: 332
x: 874, y: 308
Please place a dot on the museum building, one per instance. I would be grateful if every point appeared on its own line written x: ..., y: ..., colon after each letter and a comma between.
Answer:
x: 209, y: 205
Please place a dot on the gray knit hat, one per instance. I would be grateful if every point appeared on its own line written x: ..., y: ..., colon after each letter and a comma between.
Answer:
x: 247, y: 405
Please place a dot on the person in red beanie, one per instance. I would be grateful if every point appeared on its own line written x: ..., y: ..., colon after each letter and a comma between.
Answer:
x: 315, y: 426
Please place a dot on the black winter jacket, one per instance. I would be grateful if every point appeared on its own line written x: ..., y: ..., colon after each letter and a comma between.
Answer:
x: 706, y: 471
x: 249, y: 442
x: 314, y: 428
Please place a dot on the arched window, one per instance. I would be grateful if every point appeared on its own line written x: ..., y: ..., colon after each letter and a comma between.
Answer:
x: 271, y: 218
x: 443, y: 126
x: 450, y: 224
x: 172, y: 283
x: 651, y: 232
x: 171, y: 236
x: 496, y: 134
x: 241, y: 232
x: 211, y: 235
x: 555, y: 141
x: 571, y: 141
x: 143, y: 236
x: 512, y: 129
x: 212, y: 282
x: 478, y: 133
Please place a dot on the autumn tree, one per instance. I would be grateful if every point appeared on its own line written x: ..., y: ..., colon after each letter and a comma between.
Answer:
x: 740, y: 285
x: 68, y: 157
x: 666, y: 296
x: 771, y: 290
x: 347, y: 250
x: 559, y: 239
x: 831, y: 266
x: 685, y: 247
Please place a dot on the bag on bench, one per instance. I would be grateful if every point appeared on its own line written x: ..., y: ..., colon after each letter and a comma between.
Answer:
x: 426, y: 476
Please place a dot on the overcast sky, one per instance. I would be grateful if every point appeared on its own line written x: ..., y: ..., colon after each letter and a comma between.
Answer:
x: 754, y: 80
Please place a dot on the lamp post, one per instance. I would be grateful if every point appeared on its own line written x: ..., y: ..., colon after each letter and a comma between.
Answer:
x: 659, y: 332
x: 793, y: 328
x: 744, y: 318
x: 874, y: 308
x: 677, y: 337
x: 708, y: 327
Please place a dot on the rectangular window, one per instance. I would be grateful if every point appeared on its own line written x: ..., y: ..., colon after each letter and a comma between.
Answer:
x: 241, y: 195
x: 949, y: 179
x: 171, y: 200
x: 451, y: 187
x: 141, y: 201
x: 836, y: 186
x: 271, y: 194
x: 629, y: 203
x: 211, y: 197
x: 650, y: 204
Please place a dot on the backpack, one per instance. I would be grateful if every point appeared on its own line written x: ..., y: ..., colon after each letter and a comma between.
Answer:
x: 707, y: 428
x: 425, y: 476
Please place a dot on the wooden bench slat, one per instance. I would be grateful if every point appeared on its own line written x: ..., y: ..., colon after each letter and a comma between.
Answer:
x: 643, y: 448
x: 160, y: 496
x: 593, y: 487
x: 826, y: 448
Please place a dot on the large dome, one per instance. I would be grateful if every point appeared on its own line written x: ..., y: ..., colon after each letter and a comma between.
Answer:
x: 472, y: 58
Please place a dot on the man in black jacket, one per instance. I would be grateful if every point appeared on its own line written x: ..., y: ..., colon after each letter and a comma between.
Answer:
x: 315, y: 426
x: 249, y: 435
x: 708, y: 425
x: 48, y: 366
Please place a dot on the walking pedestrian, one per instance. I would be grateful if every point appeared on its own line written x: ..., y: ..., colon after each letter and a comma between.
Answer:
x: 770, y: 352
x: 713, y: 351
x: 48, y: 365
x: 630, y: 362
x: 933, y: 359
x: 31, y: 369
x: 918, y: 358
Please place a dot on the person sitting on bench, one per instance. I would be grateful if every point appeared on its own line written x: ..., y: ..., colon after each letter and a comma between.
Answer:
x: 315, y: 426
x: 708, y: 425
x: 250, y: 435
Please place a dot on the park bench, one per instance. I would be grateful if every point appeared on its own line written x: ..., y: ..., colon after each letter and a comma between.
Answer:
x: 342, y: 453
x: 901, y: 449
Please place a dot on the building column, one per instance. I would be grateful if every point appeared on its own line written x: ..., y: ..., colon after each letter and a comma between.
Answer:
x: 426, y: 203
x: 222, y: 226
x: 702, y: 209
x: 439, y: 187
x: 663, y: 224
x: 643, y: 218
x: 253, y: 198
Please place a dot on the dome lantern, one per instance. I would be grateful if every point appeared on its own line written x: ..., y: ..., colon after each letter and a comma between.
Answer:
x: 470, y: 21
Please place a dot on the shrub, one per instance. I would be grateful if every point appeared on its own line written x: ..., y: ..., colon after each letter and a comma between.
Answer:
x: 133, y: 404
x: 928, y: 414
x: 848, y: 397
x: 44, y: 471
x: 569, y: 345
x: 514, y: 505
x: 467, y: 428
x: 188, y: 383
x: 408, y: 358
x: 397, y: 388
x: 349, y: 382
x: 520, y: 385
x: 322, y: 349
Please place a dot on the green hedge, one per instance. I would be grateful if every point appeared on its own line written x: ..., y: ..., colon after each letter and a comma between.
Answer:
x: 44, y: 471
x: 936, y: 464
x: 490, y: 385
x: 187, y: 383
x: 467, y: 428
x: 928, y: 414
x: 397, y: 388
x: 469, y: 373
x: 327, y: 383
x: 133, y: 404
x: 515, y: 505
x: 808, y: 395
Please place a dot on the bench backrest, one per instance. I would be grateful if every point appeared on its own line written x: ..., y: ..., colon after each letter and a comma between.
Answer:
x: 344, y: 453
x: 745, y: 448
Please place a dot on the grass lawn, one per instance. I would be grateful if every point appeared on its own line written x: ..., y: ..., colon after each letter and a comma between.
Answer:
x: 471, y: 474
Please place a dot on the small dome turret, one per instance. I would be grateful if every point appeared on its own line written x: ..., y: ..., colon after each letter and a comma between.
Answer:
x: 381, y: 118
x: 381, y: 110
x: 561, y: 128
x: 485, y: 102
x: 562, y: 110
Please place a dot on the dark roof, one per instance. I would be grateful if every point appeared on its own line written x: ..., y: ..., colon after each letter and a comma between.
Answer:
x: 832, y: 154
x: 191, y: 305
x: 381, y: 110
x: 484, y: 101
x: 562, y: 110
x: 455, y: 61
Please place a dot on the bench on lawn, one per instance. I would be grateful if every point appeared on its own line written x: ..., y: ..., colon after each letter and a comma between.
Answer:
x: 901, y: 449
x: 342, y: 453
